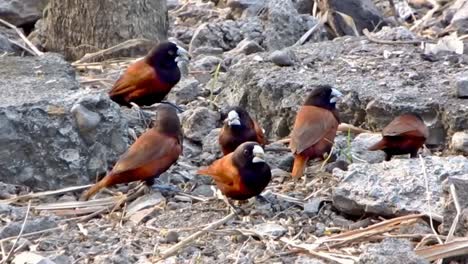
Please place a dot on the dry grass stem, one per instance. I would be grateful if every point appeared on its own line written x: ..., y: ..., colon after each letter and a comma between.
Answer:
x: 23, y: 37
x: 10, y: 254
x: 182, y: 244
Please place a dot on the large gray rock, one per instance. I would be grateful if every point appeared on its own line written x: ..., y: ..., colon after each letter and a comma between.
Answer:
x: 363, y: 12
x: 396, y: 187
x: 226, y: 34
x: 376, y: 89
x: 52, y: 134
x: 199, y: 122
x: 460, y: 17
x: 390, y: 251
x: 278, y: 26
x: 5, y: 44
x: 356, y: 150
x: 22, y: 12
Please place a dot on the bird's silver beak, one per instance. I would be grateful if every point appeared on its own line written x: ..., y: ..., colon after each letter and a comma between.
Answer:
x: 182, y: 55
x: 259, y: 154
x: 335, y: 94
x: 233, y: 119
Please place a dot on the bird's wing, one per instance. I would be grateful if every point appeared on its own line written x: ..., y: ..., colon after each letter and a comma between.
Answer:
x: 260, y: 135
x: 222, y: 170
x: 407, y: 125
x: 150, y: 146
x: 136, y: 75
x: 311, y: 125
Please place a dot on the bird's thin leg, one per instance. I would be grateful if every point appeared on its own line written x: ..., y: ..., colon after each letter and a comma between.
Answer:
x: 232, y: 208
x: 173, y: 105
x: 141, y: 114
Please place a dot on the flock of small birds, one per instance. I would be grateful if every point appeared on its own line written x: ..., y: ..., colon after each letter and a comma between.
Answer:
x: 242, y: 172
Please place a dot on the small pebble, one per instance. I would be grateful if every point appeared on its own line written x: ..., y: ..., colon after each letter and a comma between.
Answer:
x: 462, y: 87
x: 283, y: 57
x: 172, y: 237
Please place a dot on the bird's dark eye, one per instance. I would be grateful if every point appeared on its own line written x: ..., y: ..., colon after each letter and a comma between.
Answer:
x: 246, y: 152
x: 171, y: 52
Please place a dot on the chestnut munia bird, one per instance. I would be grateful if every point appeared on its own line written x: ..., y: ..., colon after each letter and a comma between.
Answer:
x: 314, y: 128
x: 405, y: 134
x: 238, y: 128
x: 241, y: 174
x: 150, y: 155
x: 149, y: 80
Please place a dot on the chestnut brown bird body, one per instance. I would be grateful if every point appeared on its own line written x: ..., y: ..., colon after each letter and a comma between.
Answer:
x: 406, y: 134
x: 150, y: 79
x: 315, y: 128
x: 238, y: 128
x: 241, y: 174
x: 151, y: 154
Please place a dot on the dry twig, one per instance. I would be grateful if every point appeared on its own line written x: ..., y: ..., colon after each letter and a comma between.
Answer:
x: 23, y: 37
x: 182, y: 244
x: 10, y: 254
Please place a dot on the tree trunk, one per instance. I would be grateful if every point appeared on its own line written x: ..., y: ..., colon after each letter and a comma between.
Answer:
x: 77, y: 27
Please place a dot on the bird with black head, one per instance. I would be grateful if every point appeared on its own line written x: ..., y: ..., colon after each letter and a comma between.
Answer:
x: 238, y: 128
x: 149, y: 80
x: 241, y: 174
x: 154, y: 152
x: 315, y: 127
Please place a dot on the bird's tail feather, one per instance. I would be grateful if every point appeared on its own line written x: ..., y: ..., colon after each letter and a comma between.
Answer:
x: 300, y: 163
x: 379, y: 145
x: 95, y: 188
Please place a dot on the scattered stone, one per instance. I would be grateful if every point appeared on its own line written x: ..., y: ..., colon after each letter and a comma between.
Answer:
x: 31, y: 258
x: 207, y: 64
x: 172, y: 237
x: 395, y: 34
x: 144, y: 202
x: 312, y: 206
x: 359, y: 149
x: 460, y: 142
x: 5, y: 44
x: 187, y: 90
x: 396, y: 187
x: 247, y: 47
x: 280, y: 174
x: 204, y: 190
x: 22, y: 13
x: 9, y: 190
x: 12, y: 212
x: 210, y: 142
x: 307, y: 260
x: 199, y: 122
x: 339, y: 164
x: 270, y: 229
x: 390, y: 251
x: 285, y: 57
x: 32, y: 225
x: 462, y: 87
x: 35, y: 117
x: 287, y: 162
x: 61, y: 259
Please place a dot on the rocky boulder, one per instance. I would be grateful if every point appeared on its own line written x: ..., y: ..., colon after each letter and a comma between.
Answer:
x: 52, y: 134
x: 377, y: 88
x: 396, y: 187
x: 22, y: 12
x: 390, y: 251
x: 278, y: 25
